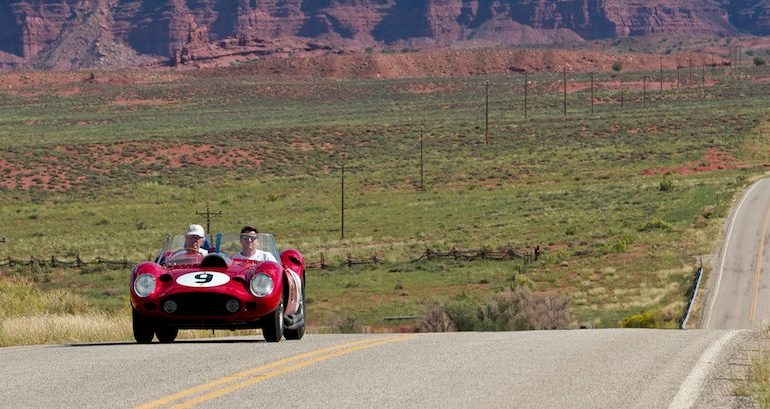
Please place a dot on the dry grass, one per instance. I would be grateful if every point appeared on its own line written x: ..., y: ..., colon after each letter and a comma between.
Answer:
x: 757, y: 384
x: 83, y: 328
x: 63, y: 329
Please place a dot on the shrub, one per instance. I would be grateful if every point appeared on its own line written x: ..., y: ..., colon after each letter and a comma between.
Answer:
x: 655, y: 224
x: 621, y: 244
x: 463, y: 315
x: 509, y: 310
x: 546, y: 310
x: 345, y: 324
x: 617, y: 66
x: 436, y: 319
x: 758, y: 61
x: 646, y: 319
x: 666, y: 184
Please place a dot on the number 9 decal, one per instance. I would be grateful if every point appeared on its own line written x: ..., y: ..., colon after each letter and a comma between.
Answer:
x: 203, y: 279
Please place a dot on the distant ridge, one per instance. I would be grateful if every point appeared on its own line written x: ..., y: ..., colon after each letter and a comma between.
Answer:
x: 68, y: 34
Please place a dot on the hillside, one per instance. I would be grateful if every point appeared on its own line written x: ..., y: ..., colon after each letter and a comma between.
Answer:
x: 67, y: 34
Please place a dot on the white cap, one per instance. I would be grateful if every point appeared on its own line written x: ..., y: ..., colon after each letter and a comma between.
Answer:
x: 196, y: 230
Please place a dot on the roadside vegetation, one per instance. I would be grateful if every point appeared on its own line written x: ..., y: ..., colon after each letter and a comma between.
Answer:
x: 756, y: 382
x: 622, y: 201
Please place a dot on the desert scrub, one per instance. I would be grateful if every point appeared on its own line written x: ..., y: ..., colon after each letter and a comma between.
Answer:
x: 509, y: 310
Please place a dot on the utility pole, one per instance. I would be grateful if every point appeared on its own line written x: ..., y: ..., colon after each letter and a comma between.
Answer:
x: 592, y: 92
x: 677, y: 75
x: 342, y: 197
x: 565, y: 90
x: 526, y: 85
x: 422, y: 167
x: 208, y: 215
x: 661, y: 74
x: 342, y: 201
x: 486, y: 113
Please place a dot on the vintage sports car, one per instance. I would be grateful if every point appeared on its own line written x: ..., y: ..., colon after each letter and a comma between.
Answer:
x: 183, y: 289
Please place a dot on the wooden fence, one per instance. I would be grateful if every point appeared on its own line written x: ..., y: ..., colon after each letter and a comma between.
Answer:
x: 505, y: 253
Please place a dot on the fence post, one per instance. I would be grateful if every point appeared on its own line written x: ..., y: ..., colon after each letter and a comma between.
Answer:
x: 53, y: 262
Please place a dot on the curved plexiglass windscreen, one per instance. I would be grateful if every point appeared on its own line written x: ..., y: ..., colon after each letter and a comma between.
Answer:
x: 259, y: 246
x: 253, y: 246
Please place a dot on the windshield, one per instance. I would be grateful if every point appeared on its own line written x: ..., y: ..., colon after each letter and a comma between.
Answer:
x: 260, y: 246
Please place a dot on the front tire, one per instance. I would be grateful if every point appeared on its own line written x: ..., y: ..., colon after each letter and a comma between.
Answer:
x: 298, y: 332
x: 272, y: 329
x: 143, y: 328
x: 166, y: 335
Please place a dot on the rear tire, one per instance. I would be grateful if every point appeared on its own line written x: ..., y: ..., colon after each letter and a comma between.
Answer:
x: 143, y: 328
x: 166, y: 335
x: 272, y: 329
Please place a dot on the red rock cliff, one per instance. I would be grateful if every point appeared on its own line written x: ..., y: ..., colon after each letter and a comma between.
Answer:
x: 183, y: 30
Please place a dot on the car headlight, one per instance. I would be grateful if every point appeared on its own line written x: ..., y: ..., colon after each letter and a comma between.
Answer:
x: 261, y: 285
x: 144, y: 285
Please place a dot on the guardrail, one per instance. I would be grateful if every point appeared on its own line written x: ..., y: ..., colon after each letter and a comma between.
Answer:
x: 693, y: 294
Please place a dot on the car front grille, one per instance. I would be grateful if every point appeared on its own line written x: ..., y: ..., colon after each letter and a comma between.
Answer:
x: 202, y: 304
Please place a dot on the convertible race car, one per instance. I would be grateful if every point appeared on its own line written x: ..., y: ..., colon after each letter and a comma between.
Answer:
x: 185, y: 289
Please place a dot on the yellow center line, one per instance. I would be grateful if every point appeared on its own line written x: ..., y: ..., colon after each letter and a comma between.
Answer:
x: 280, y: 371
x: 350, y: 347
x: 758, y: 265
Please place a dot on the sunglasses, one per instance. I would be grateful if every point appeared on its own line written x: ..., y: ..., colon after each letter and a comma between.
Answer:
x: 247, y: 237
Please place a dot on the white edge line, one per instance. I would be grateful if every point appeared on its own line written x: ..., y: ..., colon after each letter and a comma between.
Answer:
x: 691, y: 387
x: 724, y: 250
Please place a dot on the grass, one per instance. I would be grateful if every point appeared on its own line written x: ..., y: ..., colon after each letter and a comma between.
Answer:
x: 113, y: 168
x: 756, y: 382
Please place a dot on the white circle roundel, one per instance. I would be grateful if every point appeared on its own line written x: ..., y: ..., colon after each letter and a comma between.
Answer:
x: 203, y: 279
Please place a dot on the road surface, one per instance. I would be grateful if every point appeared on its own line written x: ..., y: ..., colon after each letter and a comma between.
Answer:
x: 739, y: 288
x: 535, y: 369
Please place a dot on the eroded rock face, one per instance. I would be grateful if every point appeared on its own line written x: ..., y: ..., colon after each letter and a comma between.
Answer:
x: 181, y: 31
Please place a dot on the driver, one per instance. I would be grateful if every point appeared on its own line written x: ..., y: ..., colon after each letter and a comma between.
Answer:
x: 194, y: 239
x: 250, y: 247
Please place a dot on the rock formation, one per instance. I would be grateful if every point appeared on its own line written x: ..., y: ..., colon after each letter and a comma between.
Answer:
x: 95, y: 33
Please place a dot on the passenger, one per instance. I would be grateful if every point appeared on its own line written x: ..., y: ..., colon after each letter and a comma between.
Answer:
x: 250, y: 247
x: 194, y: 239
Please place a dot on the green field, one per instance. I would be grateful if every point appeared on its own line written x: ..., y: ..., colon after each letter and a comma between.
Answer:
x: 622, y: 201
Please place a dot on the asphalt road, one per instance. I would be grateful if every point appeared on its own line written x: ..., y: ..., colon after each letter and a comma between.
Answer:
x: 535, y: 369
x: 739, y: 288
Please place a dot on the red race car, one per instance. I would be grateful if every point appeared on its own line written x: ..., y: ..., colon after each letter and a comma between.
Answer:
x: 219, y: 289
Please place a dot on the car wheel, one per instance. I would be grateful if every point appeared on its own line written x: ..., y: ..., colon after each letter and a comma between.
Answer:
x: 166, y: 334
x: 143, y: 328
x: 272, y: 329
x: 299, y: 332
